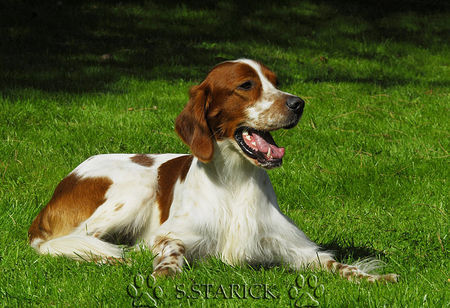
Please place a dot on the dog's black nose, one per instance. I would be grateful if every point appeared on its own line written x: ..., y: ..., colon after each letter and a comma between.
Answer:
x: 295, y: 103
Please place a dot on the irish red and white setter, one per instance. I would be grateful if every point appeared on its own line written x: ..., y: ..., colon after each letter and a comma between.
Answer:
x: 219, y: 201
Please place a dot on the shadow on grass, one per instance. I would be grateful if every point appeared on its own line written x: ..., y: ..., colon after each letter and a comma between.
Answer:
x: 350, y: 251
x: 86, y: 46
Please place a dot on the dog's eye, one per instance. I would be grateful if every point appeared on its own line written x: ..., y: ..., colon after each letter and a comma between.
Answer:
x: 246, y: 85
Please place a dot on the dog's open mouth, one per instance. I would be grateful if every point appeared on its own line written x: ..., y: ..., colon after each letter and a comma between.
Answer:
x: 259, y: 145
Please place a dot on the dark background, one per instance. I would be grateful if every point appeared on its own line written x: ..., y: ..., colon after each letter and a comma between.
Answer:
x: 80, y: 46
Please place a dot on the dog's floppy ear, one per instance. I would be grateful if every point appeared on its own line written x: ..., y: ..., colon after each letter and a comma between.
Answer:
x: 191, y: 124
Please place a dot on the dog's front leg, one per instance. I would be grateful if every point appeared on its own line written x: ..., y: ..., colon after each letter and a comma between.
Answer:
x: 299, y: 252
x: 169, y: 256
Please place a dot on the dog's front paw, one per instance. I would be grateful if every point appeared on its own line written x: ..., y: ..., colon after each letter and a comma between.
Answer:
x: 166, y: 270
x: 389, y: 278
x: 169, y: 259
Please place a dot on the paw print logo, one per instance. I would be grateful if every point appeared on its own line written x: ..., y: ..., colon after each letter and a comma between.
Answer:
x: 306, y: 291
x: 144, y: 291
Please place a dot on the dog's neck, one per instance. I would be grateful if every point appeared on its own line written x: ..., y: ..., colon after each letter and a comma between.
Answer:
x: 229, y: 166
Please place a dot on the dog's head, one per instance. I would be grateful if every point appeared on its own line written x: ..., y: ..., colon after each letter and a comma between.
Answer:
x: 238, y: 101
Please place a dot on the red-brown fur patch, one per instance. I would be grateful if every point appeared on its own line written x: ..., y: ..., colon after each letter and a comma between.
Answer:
x: 227, y: 109
x: 330, y: 264
x: 168, y: 174
x: 143, y: 160
x: 73, y: 201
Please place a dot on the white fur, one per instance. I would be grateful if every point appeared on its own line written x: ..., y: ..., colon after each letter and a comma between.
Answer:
x: 80, y: 247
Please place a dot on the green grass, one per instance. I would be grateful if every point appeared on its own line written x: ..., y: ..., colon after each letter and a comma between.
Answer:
x: 365, y: 173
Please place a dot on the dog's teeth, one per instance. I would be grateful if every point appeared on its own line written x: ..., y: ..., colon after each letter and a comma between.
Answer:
x: 254, y: 143
x: 248, y: 137
x: 245, y: 133
x: 269, y: 153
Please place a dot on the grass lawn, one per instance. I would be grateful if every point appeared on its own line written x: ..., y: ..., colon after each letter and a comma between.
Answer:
x: 366, y: 171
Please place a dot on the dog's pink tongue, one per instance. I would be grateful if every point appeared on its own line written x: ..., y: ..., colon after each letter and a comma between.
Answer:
x: 263, y: 146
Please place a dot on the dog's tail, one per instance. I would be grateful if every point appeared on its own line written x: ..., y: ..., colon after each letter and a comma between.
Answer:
x: 79, y: 247
x: 360, y: 271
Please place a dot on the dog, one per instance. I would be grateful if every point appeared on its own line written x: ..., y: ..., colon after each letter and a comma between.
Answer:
x: 219, y: 201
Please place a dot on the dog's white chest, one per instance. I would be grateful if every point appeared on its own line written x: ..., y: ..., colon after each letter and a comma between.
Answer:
x: 231, y: 220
